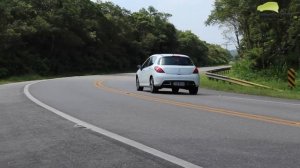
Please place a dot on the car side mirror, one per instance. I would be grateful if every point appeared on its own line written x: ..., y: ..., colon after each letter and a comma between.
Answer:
x: 139, y: 67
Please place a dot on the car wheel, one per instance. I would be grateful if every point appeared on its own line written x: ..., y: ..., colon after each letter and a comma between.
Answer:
x: 175, y: 90
x: 153, y: 89
x: 193, y: 91
x: 138, y: 87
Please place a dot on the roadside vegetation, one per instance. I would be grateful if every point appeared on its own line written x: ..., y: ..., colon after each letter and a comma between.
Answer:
x: 279, y: 85
x: 265, y: 40
x: 21, y: 79
x: 268, y: 44
x: 60, y: 37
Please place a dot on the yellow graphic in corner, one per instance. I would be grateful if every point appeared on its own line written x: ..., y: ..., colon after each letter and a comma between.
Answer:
x: 269, y: 6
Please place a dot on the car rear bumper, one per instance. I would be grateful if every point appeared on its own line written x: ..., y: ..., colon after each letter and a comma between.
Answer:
x: 170, y: 81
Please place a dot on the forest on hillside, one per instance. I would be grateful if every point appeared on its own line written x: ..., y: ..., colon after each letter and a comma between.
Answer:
x: 264, y: 40
x: 57, y: 37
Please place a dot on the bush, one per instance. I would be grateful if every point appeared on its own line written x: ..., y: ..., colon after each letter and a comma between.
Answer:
x: 243, y: 69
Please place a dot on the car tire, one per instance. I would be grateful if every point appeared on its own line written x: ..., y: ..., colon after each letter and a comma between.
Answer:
x: 153, y: 89
x: 138, y: 87
x: 193, y: 91
x: 175, y: 90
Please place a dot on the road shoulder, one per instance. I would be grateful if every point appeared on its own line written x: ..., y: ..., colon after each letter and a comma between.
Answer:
x: 31, y: 136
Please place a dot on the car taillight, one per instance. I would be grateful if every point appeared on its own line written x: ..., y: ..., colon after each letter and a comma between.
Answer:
x: 159, y: 69
x: 196, y: 71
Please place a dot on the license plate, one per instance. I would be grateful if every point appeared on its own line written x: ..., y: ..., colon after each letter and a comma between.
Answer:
x: 179, y: 84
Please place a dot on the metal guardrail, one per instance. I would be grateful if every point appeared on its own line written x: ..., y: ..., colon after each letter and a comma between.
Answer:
x: 212, y: 75
x: 220, y: 70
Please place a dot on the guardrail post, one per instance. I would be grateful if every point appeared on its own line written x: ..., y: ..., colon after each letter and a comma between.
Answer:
x: 292, y: 78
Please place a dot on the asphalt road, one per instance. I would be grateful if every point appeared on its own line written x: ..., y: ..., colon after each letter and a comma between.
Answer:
x: 211, y: 130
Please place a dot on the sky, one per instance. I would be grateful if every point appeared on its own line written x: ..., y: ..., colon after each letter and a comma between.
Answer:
x: 186, y: 15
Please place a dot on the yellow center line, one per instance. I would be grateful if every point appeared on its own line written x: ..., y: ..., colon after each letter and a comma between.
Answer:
x: 269, y: 119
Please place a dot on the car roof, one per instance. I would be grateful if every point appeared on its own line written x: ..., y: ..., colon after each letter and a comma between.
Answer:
x: 169, y: 55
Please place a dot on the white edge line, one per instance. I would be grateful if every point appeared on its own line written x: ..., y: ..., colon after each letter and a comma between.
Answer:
x: 114, y: 136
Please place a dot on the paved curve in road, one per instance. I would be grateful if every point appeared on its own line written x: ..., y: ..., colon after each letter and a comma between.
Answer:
x: 211, y: 129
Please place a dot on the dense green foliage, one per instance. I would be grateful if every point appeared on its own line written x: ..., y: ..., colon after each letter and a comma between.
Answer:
x: 266, y: 40
x: 52, y: 37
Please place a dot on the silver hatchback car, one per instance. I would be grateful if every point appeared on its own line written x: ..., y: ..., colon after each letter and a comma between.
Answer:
x: 168, y: 71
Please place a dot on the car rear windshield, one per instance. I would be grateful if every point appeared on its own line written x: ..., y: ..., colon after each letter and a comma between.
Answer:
x: 176, y: 60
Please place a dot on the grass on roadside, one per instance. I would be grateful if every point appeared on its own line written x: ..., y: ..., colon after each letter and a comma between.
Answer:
x: 31, y: 77
x: 224, y: 86
x: 21, y: 79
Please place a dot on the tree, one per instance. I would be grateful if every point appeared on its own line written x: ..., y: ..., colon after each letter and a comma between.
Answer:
x: 218, y: 55
x: 191, y: 45
x: 268, y: 39
x: 226, y: 12
x: 59, y: 37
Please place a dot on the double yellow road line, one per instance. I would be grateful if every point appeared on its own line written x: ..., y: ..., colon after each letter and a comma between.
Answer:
x: 268, y: 119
